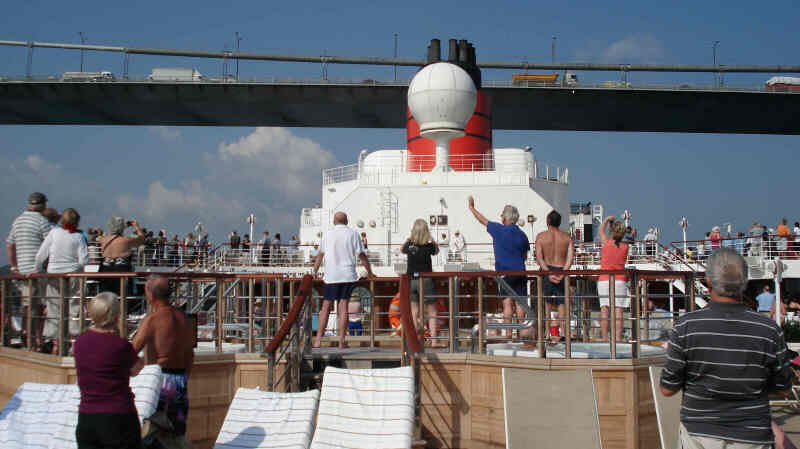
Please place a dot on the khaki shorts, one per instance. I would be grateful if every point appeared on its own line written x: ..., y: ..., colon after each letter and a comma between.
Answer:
x: 686, y: 441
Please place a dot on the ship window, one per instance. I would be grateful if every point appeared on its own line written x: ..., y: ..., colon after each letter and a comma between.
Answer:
x: 442, y: 220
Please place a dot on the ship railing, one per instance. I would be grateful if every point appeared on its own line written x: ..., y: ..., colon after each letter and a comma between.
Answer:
x: 389, y: 169
x: 242, y: 312
x: 753, y: 247
x: 161, y: 255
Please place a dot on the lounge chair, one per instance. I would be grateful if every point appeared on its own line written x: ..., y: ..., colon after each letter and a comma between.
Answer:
x: 372, y: 408
x: 45, y: 415
x: 260, y: 419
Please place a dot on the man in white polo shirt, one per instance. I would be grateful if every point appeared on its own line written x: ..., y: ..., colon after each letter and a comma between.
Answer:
x: 339, y: 249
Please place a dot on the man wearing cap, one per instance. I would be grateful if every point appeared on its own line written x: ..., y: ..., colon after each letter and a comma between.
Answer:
x: 27, y: 234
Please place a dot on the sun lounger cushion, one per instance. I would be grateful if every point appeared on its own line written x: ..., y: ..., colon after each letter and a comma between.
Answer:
x: 45, y: 415
x: 371, y: 408
x: 260, y: 419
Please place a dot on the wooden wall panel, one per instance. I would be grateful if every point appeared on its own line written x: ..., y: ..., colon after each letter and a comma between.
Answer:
x: 443, y: 417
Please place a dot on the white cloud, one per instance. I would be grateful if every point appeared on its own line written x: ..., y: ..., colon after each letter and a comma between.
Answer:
x: 269, y: 172
x: 165, y: 133
x: 643, y: 49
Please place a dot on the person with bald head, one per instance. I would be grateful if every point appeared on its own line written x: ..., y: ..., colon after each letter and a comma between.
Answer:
x: 339, y: 249
x: 166, y: 335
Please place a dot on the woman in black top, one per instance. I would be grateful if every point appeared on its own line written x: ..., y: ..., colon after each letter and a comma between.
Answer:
x: 420, y: 248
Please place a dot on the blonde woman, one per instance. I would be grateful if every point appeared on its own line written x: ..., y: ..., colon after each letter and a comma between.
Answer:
x: 420, y: 247
x: 104, y: 363
x: 613, y: 257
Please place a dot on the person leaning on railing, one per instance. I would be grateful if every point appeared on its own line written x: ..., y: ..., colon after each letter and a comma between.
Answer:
x: 104, y: 363
x: 66, y: 251
x: 118, y: 250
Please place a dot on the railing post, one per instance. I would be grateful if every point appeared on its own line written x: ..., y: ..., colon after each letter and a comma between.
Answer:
x: 481, y: 318
x: 636, y: 311
x: 452, y: 315
x: 123, y: 309
x: 567, y: 327
x: 612, y: 316
x: 220, y: 311
x: 690, y: 287
x: 270, y: 372
x: 421, y: 312
x: 269, y: 307
x: 279, y: 294
x: 29, y: 315
x: 540, y: 325
x: 63, y: 316
x: 82, y: 309
x: 250, y: 318
x: 372, y: 314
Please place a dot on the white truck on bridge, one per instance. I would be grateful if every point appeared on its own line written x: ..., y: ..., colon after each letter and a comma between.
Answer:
x: 87, y: 76
x: 175, y: 74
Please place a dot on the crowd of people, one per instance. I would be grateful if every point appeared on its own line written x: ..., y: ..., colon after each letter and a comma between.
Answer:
x: 758, y: 241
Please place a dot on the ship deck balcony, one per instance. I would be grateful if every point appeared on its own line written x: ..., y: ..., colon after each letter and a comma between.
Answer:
x: 397, y: 167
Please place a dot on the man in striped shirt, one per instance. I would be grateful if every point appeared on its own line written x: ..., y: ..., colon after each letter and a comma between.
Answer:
x: 27, y: 234
x: 726, y: 359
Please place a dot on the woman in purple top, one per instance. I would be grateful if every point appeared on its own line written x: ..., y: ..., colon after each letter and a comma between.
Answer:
x: 105, y: 362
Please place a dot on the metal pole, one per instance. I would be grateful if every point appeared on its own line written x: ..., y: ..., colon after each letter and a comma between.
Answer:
x: 29, y: 64
x: 553, y: 51
x: 612, y: 316
x: 29, y: 314
x: 220, y: 312
x: 714, y: 52
x: 690, y: 307
x: 83, y: 42
x: 452, y: 314
x: 123, y: 310
x: 395, y: 56
x: 238, y: 40
x: 82, y: 310
x: 481, y: 318
x: 567, y: 328
x: 125, y: 65
x: 372, y: 313
x: 63, y: 316
x: 250, y: 318
x: 636, y: 312
x: 540, y: 333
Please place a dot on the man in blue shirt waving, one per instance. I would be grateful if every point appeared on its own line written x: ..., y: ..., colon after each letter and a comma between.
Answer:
x: 510, y: 251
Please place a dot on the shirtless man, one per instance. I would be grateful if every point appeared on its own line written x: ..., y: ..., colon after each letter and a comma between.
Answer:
x: 166, y: 335
x: 554, y: 252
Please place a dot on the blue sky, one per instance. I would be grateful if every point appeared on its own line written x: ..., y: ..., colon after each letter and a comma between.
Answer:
x: 172, y: 177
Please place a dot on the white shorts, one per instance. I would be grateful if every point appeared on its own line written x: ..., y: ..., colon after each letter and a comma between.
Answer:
x: 622, y: 296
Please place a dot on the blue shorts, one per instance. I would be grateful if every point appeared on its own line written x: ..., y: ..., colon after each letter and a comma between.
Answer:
x: 341, y: 290
x: 517, y: 283
x: 553, y: 293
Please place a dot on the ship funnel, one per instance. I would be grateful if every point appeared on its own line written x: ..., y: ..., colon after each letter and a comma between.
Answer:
x: 434, y: 51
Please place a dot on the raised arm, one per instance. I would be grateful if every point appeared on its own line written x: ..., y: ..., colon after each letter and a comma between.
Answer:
x: 602, y: 234
x: 478, y: 216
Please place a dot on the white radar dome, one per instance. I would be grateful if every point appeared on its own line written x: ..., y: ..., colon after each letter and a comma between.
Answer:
x: 442, y: 98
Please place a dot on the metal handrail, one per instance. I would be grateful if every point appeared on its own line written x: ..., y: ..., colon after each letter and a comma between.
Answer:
x: 291, y: 322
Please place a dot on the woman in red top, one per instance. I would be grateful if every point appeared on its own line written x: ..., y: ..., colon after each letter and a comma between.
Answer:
x: 105, y: 362
x: 613, y: 257
x: 715, y: 238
